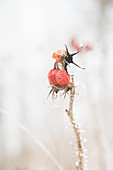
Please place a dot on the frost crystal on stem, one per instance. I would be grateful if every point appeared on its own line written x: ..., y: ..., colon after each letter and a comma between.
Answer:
x: 79, y: 148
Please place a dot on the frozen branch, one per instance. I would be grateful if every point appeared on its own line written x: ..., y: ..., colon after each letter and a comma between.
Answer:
x: 79, y: 163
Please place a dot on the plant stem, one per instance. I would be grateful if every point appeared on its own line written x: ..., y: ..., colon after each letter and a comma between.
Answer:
x: 76, y: 129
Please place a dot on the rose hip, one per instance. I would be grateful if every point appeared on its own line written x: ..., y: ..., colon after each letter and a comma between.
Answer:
x: 62, y: 77
x: 52, y: 77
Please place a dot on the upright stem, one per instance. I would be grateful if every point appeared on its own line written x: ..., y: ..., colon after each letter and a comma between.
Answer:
x: 79, y: 165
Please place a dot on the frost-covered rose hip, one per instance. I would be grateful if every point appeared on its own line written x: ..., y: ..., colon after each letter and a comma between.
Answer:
x: 59, y: 77
x: 62, y: 77
x: 52, y: 77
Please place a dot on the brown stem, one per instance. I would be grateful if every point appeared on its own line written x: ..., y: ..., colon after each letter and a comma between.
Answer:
x: 75, y: 128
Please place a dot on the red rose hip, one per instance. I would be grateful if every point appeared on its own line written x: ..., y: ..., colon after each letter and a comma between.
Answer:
x: 52, y: 77
x: 62, y: 77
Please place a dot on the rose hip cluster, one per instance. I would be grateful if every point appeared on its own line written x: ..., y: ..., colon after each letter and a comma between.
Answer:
x: 58, y: 77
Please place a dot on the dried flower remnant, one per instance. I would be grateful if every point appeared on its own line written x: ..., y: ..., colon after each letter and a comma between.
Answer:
x: 59, y: 55
x: 60, y: 80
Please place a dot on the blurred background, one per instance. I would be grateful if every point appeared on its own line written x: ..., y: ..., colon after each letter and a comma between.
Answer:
x: 30, y: 31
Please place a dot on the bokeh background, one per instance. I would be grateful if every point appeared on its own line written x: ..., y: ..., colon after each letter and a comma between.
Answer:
x: 30, y: 31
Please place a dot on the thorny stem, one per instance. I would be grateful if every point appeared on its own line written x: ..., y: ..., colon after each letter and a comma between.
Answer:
x: 75, y: 128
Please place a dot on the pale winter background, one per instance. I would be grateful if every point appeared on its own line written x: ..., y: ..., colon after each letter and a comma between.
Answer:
x: 30, y: 31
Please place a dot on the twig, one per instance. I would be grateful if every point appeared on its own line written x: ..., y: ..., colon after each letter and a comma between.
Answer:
x: 37, y: 141
x: 79, y: 165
